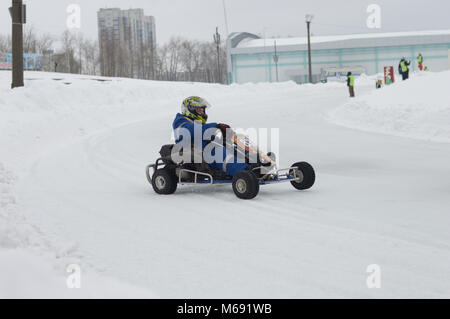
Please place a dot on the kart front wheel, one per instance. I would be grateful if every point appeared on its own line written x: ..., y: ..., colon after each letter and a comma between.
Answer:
x: 306, y: 176
x: 245, y: 185
x: 164, y: 182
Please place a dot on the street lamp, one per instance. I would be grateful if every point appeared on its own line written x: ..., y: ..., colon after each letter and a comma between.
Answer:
x: 217, y: 41
x: 309, y: 18
x: 276, y: 59
x: 18, y: 16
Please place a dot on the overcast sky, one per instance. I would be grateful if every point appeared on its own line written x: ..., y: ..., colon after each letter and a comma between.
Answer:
x: 197, y: 19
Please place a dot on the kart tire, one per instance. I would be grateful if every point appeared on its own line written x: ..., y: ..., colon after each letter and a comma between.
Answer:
x: 245, y: 185
x: 308, y: 176
x: 164, y: 182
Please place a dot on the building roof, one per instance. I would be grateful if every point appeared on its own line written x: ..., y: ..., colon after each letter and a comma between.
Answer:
x: 255, y: 43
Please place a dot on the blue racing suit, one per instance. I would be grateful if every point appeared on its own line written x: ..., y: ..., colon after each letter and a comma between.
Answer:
x: 229, y: 164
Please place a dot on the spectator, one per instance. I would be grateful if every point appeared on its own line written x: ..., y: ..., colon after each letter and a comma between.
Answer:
x: 351, y: 84
x: 420, y: 61
x: 404, y: 68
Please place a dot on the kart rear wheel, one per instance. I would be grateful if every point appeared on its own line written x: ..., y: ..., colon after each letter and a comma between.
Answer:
x: 245, y: 185
x: 164, y: 182
x: 307, y: 176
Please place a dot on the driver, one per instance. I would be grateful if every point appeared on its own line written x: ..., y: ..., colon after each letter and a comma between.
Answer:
x: 193, y: 110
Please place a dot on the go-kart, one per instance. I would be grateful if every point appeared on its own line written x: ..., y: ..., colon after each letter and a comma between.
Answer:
x: 261, y: 170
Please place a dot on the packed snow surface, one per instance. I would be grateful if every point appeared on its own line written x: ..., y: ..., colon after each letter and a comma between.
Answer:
x: 73, y: 191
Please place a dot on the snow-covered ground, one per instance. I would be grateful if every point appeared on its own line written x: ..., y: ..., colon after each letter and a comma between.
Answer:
x: 418, y: 108
x: 73, y: 191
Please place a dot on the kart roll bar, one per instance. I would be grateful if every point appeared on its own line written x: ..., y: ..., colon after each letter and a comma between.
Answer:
x: 159, y: 162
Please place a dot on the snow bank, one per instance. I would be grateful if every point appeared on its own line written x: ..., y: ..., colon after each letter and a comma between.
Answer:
x: 418, y: 108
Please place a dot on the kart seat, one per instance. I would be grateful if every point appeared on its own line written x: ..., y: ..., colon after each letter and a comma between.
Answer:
x: 166, y: 150
x: 166, y: 154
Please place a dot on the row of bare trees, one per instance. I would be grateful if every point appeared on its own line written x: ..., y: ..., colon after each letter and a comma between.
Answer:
x: 189, y: 60
x: 76, y: 54
x: 5, y: 43
x: 32, y: 43
x: 177, y: 60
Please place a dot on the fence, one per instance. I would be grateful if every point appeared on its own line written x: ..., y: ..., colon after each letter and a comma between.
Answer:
x: 31, y: 61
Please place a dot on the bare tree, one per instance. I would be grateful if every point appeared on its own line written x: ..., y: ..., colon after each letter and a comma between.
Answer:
x: 186, y: 60
x: 190, y: 58
x: 90, y: 57
x: 78, y: 55
x: 34, y: 43
x: 69, y: 47
x: 29, y: 40
x: 44, y: 43
x: 148, y: 62
x: 5, y: 43
x: 173, y: 58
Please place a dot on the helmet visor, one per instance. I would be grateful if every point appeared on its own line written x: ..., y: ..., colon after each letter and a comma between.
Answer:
x: 201, y: 110
x: 199, y: 103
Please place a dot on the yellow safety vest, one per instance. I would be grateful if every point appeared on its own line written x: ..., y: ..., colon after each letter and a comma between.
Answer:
x: 404, y: 66
x: 352, y: 80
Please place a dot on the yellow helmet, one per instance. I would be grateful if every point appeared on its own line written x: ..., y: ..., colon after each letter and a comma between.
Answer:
x: 191, y: 105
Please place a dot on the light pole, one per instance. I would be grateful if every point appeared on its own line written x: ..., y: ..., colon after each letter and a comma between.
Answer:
x: 266, y: 69
x: 18, y: 16
x: 275, y: 59
x: 217, y: 41
x: 226, y: 17
x: 309, y: 18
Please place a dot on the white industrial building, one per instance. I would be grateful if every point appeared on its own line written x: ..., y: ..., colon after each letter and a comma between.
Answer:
x: 251, y: 59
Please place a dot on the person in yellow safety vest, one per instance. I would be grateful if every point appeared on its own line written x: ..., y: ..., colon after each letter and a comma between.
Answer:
x: 404, y: 68
x: 420, y: 61
x: 351, y: 84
